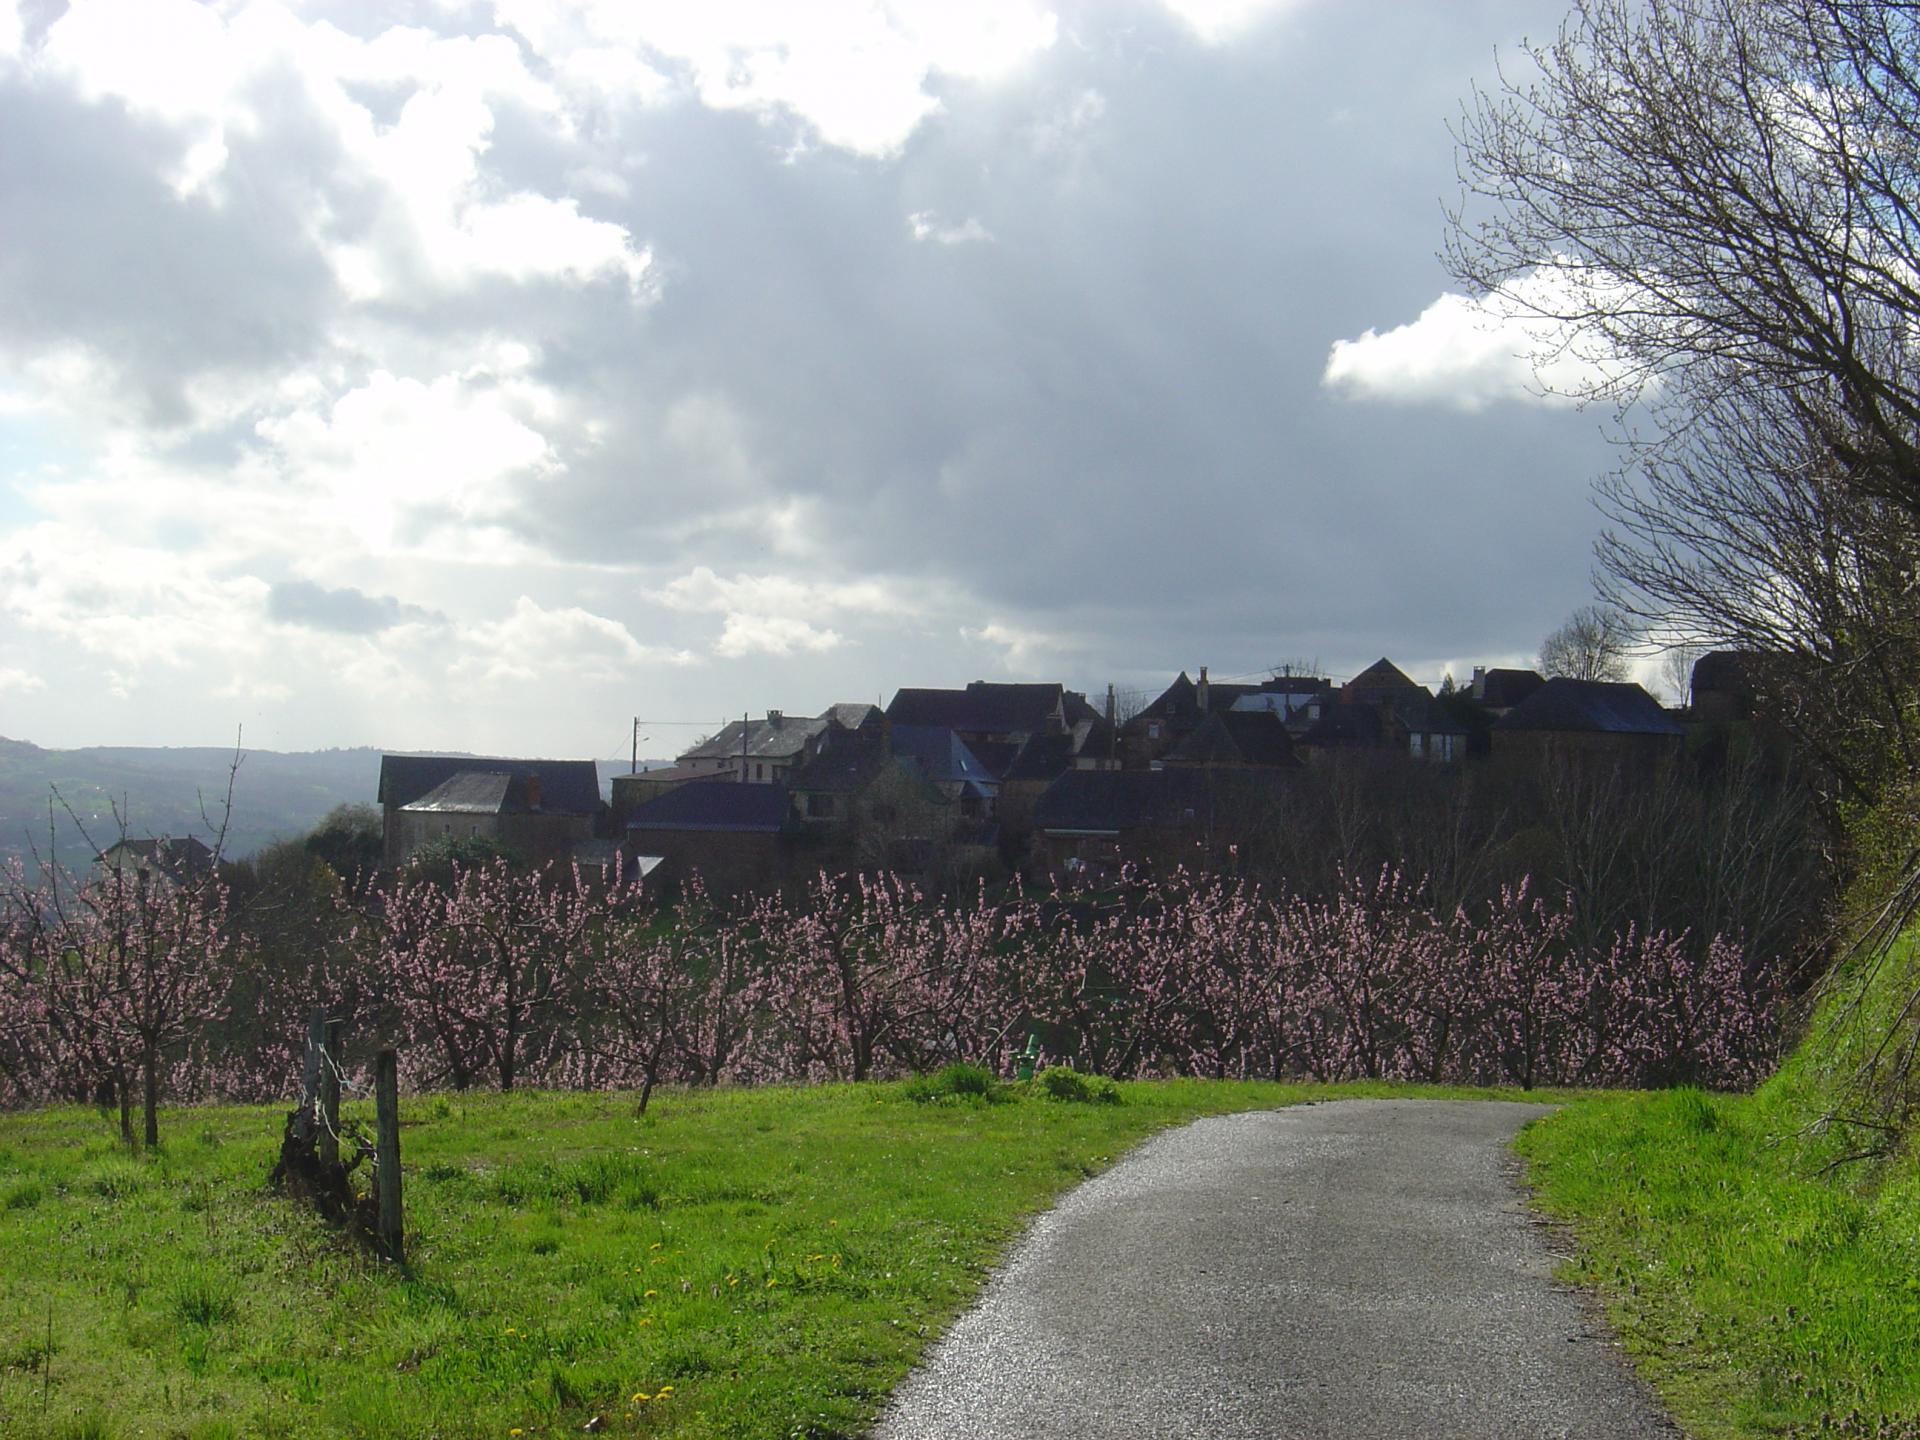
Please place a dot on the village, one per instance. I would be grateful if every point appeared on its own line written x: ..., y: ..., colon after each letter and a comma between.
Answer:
x: 1018, y: 778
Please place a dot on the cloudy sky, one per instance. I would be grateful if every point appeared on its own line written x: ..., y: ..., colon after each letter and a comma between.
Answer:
x: 481, y: 373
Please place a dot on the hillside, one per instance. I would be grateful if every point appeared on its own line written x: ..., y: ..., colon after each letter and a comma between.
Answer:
x: 159, y: 791
x: 181, y: 791
x: 1756, y: 1251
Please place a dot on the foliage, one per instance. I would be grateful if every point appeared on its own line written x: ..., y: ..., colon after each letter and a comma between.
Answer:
x: 1773, y: 1232
x: 1060, y: 1082
x: 1720, y: 192
x: 754, y: 1262
x: 107, y: 981
x: 350, y: 839
x: 958, y: 1081
x: 1712, y: 201
x: 496, y: 975
x: 1707, y: 1227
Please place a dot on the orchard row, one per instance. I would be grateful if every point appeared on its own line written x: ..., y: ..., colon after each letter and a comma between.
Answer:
x: 124, y: 989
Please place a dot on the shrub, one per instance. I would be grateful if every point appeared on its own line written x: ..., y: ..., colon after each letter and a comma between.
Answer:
x: 1059, y: 1082
x: 199, y: 1300
x: 953, y: 1081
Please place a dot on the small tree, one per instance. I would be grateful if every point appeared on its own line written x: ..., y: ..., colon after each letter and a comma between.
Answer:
x: 121, y: 975
x: 1592, y: 645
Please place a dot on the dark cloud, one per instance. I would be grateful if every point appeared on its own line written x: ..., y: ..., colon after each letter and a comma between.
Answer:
x: 98, y: 249
x: 1109, y: 417
x: 1097, y: 416
x: 345, y: 611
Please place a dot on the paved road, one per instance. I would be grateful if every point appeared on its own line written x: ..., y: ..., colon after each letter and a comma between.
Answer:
x: 1343, y: 1271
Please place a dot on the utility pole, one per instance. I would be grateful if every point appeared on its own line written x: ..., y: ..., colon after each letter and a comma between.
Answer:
x: 635, y: 770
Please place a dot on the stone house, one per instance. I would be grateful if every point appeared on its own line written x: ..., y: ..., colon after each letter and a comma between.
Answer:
x: 1595, y: 719
x: 538, y: 809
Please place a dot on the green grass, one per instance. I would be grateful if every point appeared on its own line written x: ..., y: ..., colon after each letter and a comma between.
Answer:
x: 1766, y: 1278
x: 757, y: 1263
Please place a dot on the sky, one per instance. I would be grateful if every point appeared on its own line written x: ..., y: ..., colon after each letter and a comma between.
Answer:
x: 482, y: 374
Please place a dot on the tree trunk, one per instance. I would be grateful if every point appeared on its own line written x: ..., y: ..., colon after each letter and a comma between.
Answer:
x: 150, y: 1076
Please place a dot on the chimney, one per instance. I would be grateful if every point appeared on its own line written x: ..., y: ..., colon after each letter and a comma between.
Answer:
x: 533, y: 792
x: 1200, y: 691
x: 1479, y: 682
x: 1109, y: 707
x: 774, y: 717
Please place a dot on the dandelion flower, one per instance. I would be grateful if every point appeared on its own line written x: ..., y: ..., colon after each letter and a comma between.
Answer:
x: 654, y: 1246
x: 640, y: 1397
x: 663, y: 1390
x: 647, y: 1321
x: 650, y: 1294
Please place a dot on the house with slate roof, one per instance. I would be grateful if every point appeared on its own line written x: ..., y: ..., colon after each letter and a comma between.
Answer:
x: 738, y: 837
x: 1423, y: 727
x: 1099, y: 819
x: 993, y: 714
x: 180, y: 859
x: 949, y: 764
x: 1380, y: 680
x: 1344, y: 727
x: 1498, y: 691
x: 768, y: 751
x: 1723, y: 685
x: 1179, y: 709
x: 632, y: 790
x: 1235, y: 739
x: 1594, y: 718
x: 539, y: 809
x: 826, y: 789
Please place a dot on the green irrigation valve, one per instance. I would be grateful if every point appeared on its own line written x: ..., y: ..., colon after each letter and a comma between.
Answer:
x: 1029, y: 1058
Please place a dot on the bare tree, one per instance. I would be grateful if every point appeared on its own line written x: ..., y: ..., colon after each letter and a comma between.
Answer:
x: 1721, y: 198
x: 1676, y: 669
x: 1592, y: 645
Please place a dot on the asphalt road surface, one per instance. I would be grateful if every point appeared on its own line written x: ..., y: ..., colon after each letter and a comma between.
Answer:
x: 1342, y: 1271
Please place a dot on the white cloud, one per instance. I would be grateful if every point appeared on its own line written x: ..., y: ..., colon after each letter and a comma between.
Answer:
x: 19, y: 682
x: 1469, y: 354
x: 443, y: 221
x: 748, y: 634
x: 1216, y: 22
x: 533, y: 644
x: 1063, y: 131
x: 925, y: 225
x: 11, y: 30
x: 396, y: 454
x: 136, y: 608
x: 776, y: 614
x: 855, y: 72
x: 1023, y: 650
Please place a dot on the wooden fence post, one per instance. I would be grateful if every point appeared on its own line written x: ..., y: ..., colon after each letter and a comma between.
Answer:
x: 386, y: 1104
x: 310, y: 1076
x: 330, y: 1096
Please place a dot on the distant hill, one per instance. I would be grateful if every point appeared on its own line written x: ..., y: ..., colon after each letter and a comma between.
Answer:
x: 172, y: 792
x: 277, y: 795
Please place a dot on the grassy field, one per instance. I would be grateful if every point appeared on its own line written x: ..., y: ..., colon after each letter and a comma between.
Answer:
x: 735, y: 1263
x: 1765, y: 1273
